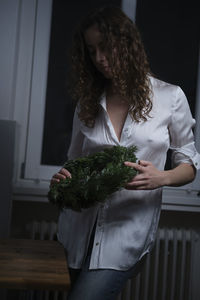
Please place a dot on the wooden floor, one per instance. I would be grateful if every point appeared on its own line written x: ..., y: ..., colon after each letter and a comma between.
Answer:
x: 33, y: 264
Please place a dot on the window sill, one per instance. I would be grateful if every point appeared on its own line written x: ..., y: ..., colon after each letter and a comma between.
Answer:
x: 174, y: 199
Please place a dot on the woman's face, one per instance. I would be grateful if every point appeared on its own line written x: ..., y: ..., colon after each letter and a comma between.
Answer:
x: 94, y: 43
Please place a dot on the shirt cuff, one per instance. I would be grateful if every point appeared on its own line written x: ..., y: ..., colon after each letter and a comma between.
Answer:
x: 186, y: 154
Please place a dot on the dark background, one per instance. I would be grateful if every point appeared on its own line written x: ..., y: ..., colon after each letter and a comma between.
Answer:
x: 170, y: 33
x: 59, y: 106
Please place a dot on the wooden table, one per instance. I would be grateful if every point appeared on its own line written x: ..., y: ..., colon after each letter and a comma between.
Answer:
x: 33, y: 264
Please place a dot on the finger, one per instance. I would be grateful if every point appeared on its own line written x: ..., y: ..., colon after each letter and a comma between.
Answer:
x: 142, y: 187
x: 145, y: 163
x: 59, y: 176
x: 134, y: 165
x: 65, y: 172
x: 54, y: 181
x: 138, y: 177
x: 136, y: 183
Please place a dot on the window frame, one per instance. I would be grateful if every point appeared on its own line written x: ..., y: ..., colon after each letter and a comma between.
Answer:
x: 31, y: 178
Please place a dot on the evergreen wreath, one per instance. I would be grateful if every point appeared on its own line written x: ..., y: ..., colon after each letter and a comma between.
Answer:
x: 94, y: 178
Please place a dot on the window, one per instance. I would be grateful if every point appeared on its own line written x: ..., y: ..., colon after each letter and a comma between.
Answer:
x: 47, y: 110
x: 170, y: 32
x: 48, y: 143
x: 59, y: 106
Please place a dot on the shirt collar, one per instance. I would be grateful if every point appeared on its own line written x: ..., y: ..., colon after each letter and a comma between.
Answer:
x: 102, y: 102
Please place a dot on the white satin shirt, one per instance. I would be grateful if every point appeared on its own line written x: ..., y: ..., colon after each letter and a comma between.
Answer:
x: 127, y: 222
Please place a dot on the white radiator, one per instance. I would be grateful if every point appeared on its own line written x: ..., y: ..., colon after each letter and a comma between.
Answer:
x: 167, y: 271
x: 166, y: 274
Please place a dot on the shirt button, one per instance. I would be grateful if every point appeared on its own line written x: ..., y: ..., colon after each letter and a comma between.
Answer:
x: 126, y: 129
x: 196, y: 163
x: 99, y: 225
x: 97, y: 244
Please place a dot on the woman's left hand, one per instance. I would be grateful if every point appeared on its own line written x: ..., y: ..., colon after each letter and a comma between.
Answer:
x: 148, y: 178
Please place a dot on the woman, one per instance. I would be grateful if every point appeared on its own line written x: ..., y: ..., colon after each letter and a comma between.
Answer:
x: 121, y: 104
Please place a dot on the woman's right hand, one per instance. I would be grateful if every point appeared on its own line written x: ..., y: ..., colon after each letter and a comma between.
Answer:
x: 61, y: 175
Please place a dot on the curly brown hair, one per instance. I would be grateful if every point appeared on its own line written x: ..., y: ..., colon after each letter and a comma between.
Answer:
x: 129, y: 65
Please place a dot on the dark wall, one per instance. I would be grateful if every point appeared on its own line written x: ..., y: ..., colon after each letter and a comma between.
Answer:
x: 171, y: 34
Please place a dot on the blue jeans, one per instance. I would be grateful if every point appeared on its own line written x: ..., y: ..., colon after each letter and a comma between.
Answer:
x: 100, y: 284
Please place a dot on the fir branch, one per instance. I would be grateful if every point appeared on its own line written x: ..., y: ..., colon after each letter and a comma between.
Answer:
x: 94, y: 178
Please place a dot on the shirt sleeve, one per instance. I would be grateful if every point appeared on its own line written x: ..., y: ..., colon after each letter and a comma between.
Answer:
x: 75, y: 149
x: 181, y: 135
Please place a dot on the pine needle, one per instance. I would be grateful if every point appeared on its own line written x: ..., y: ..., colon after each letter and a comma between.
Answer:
x: 94, y: 178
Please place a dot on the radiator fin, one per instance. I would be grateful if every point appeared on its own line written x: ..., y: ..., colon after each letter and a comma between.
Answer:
x: 167, y: 270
